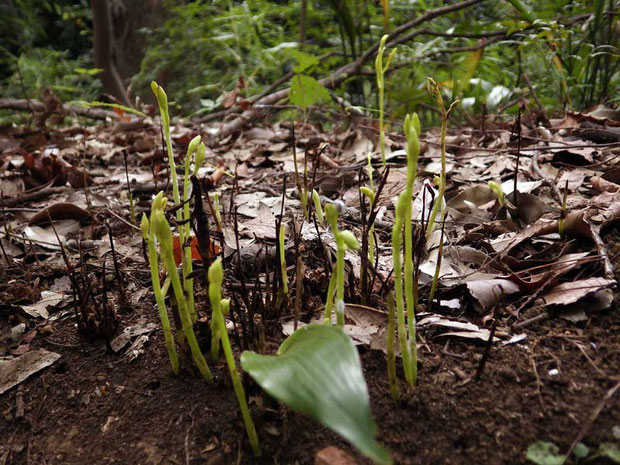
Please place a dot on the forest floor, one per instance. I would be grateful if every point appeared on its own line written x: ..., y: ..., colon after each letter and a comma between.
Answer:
x: 550, y: 373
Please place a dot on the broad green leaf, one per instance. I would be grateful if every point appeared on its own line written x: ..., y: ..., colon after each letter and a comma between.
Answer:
x: 544, y: 453
x: 610, y: 451
x: 318, y: 372
x: 306, y: 91
x: 88, y: 71
x: 581, y: 451
x: 469, y: 66
x: 305, y: 60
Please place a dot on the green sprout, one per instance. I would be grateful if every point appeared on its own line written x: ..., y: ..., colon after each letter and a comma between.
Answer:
x: 391, y: 356
x: 380, y: 69
x: 216, y: 278
x: 216, y: 207
x: 369, y: 170
x: 215, y: 331
x: 197, y: 148
x: 497, y: 190
x: 412, y: 131
x: 344, y: 240
x: 302, y: 189
x: 182, y: 215
x: 404, y: 219
x: 401, y: 210
x: 163, y: 233
x: 563, y: 211
x: 317, y: 206
x: 371, y: 232
x: 162, y: 102
x: 283, y: 260
x: 433, y: 89
x: 159, y: 293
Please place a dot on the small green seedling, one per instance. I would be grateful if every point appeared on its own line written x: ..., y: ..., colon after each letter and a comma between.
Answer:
x: 433, y: 89
x: 404, y: 219
x: 215, y: 331
x: 497, y: 190
x: 283, y: 260
x: 302, y: 189
x: 317, y: 206
x: 344, y: 240
x: 160, y: 293
x: 162, y: 232
x: 216, y: 278
x: 317, y: 371
x: 197, y: 150
x: 381, y: 69
x: 391, y: 356
x: 563, y: 211
x: 216, y: 208
x: 370, y: 195
x: 397, y: 235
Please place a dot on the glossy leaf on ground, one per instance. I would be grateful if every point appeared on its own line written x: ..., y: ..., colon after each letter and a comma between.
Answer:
x: 318, y: 372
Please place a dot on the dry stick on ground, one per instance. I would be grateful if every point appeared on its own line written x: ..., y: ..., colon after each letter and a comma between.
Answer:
x: 592, y: 417
x: 35, y: 105
x: 346, y: 71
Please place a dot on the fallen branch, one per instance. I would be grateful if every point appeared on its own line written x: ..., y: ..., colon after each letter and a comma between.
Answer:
x: 344, y: 72
x: 37, y: 106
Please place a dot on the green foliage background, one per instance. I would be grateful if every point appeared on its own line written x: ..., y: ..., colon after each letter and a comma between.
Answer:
x: 570, y: 55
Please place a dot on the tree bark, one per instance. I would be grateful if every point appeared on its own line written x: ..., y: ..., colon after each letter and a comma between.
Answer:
x: 103, y: 45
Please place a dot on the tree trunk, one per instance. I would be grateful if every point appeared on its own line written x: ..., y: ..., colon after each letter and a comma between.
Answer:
x: 103, y: 45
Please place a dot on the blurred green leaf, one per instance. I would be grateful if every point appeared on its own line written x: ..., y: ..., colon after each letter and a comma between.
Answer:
x: 318, y: 372
x: 581, y: 451
x: 306, y: 91
x: 610, y: 451
x: 544, y: 453
x: 304, y: 60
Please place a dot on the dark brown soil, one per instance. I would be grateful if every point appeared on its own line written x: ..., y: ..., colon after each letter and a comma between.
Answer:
x: 92, y: 407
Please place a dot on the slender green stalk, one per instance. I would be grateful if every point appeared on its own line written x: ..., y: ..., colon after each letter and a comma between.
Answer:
x: 283, y: 260
x: 132, y: 210
x: 497, y: 190
x: 435, y: 282
x: 162, y: 102
x: 391, y: 357
x: 162, y: 231
x: 182, y: 214
x: 412, y: 130
x: 380, y: 70
x: 216, y: 207
x: 215, y: 331
x: 341, y: 250
x: 397, y: 231
x: 216, y: 278
x: 159, y: 294
x: 344, y: 240
x: 563, y: 211
x: 303, y: 194
x: 329, y: 303
x: 371, y: 231
x: 188, y: 283
x: 317, y: 206
x: 433, y: 88
x: 369, y: 170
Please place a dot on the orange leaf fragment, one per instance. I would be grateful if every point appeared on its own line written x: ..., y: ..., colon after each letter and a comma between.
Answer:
x: 214, y: 249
